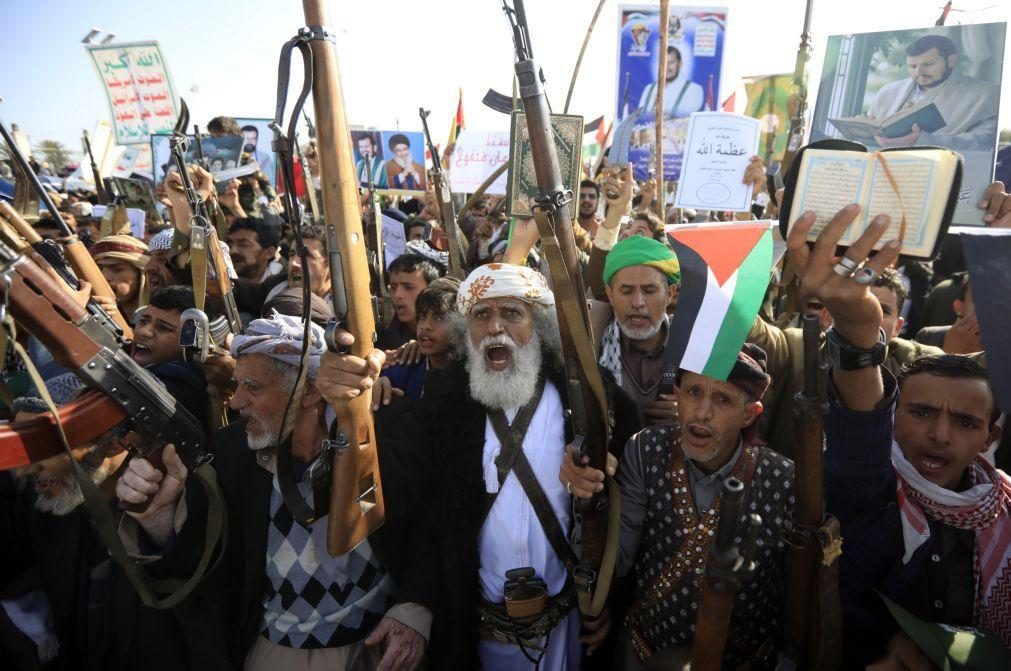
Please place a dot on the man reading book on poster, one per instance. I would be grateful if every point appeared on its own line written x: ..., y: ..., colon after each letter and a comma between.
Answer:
x: 968, y: 106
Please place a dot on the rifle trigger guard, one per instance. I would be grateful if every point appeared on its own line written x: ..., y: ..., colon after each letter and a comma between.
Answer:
x: 316, y: 33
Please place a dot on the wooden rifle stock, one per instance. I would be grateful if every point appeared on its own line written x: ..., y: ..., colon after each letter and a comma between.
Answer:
x: 727, y: 567
x: 86, y: 344
x: 587, y: 402
x: 356, y: 501
x: 812, y: 626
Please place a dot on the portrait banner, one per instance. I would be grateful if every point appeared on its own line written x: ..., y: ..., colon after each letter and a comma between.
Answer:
x: 138, y: 89
x: 695, y: 46
x: 221, y: 154
x: 937, y: 86
x: 405, y: 161
x: 567, y: 131
x: 477, y: 155
x: 256, y: 139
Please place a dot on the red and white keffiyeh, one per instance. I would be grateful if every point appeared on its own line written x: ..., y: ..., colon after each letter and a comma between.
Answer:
x: 983, y: 508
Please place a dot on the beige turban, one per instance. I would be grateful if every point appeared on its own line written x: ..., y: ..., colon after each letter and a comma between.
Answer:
x: 502, y: 280
x: 125, y: 248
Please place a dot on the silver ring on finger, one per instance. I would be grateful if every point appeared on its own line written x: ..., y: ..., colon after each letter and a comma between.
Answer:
x: 842, y: 270
x: 866, y: 276
x: 568, y: 487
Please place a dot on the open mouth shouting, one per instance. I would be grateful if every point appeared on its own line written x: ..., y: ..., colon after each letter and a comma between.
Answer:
x: 142, y: 353
x: 498, y: 357
x: 932, y: 466
x: 698, y: 436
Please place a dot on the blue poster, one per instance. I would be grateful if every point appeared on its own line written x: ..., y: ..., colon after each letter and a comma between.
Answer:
x: 695, y: 46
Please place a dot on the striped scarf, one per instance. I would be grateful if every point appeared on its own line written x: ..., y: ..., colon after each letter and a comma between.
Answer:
x: 983, y: 508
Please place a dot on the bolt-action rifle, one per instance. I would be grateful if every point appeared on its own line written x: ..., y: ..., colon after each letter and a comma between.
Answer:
x: 446, y: 209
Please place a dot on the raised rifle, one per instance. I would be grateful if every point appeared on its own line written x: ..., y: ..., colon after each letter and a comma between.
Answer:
x: 813, y: 626
x: 204, y: 249
x: 103, y: 195
x: 446, y: 209
x: 728, y: 566
x: 381, y: 300
x: 587, y: 401
x: 73, y: 249
x: 349, y: 469
x: 798, y: 94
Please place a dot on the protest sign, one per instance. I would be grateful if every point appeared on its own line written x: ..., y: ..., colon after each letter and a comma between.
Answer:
x: 695, y: 47
x: 405, y: 161
x: 717, y: 154
x: 568, y: 135
x: 867, y: 95
x: 477, y: 155
x: 221, y: 154
x: 369, y: 158
x: 136, y: 160
x: 137, y: 193
x: 394, y: 239
x: 256, y: 139
x: 138, y: 88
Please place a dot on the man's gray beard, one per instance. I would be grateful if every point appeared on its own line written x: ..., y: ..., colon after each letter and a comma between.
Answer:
x: 510, y: 388
x: 260, y: 441
x: 404, y: 162
x: 640, y: 334
x: 70, y: 495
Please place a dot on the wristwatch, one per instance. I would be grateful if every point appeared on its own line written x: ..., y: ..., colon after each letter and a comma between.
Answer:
x: 845, y: 356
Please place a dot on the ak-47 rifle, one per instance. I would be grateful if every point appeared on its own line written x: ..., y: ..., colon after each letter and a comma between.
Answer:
x: 350, y: 468
x: 446, y: 209
x: 798, y: 94
x: 80, y: 259
x: 203, y: 236
x: 103, y: 195
x: 813, y: 627
x: 727, y: 568
x: 587, y: 401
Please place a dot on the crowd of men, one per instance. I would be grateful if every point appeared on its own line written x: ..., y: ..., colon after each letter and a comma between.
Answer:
x: 480, y: 479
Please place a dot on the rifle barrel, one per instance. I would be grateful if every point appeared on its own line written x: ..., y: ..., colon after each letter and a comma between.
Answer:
x: 20, y: 159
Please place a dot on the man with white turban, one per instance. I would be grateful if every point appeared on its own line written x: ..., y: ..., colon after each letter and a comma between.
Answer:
x: 482, y: 515
x: 286, y: 602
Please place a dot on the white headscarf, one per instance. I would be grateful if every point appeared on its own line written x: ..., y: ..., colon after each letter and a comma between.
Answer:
x: 280, y: 337
x: 501, y: 280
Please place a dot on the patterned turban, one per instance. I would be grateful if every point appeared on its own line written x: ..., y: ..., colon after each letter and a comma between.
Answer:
x: 642, y: 251
x: 129, y: 249
x: 280, y: 337
x: 501, y: 280
x: 161, y: 241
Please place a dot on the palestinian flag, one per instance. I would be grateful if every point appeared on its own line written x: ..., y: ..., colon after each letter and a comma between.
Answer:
x: 724, y: 272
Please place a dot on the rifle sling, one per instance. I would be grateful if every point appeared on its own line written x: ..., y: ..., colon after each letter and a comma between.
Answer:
x: 106, y: 522
x: 199, y: 239
x: 512, y: 459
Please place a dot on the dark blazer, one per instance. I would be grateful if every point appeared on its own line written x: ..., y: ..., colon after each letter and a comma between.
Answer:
x: 117, y: 631
x: 447, y: 427
x: 237, y: 583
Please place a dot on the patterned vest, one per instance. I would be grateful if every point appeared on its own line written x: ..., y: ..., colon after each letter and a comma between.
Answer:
x: 675, y: 541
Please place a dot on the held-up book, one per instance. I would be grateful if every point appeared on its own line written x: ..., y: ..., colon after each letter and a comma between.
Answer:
x: 917, y: 188
x: 863, y: 129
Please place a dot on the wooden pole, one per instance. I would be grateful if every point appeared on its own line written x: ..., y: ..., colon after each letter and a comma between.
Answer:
x: 661, y: 82
x: 579, y: 59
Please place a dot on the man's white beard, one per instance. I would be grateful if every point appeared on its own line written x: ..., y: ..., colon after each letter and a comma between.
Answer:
x: 512, y: 387
x: 70, y: 495
x: 264, y: 438
x: 640, y: 334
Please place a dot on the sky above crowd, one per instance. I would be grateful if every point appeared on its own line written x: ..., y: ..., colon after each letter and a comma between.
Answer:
x: 395, y: 55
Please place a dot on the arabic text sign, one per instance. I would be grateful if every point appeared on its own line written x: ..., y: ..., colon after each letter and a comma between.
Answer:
x: 476, y: 156
x: 716, y: 156
x: 138, y: 88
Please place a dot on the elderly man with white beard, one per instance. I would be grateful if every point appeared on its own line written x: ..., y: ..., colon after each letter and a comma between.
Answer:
x: 492, y: 430
x: 284, y: 602
x: 641, y: 277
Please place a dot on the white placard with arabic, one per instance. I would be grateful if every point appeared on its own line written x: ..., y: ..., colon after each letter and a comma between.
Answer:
x: 394, y: 239
x: 718, y: 148
x: 476, y: 156
x: 138, y: 88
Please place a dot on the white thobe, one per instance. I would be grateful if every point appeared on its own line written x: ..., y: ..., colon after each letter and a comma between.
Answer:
x: 681, y: 97
x: 512, y: 536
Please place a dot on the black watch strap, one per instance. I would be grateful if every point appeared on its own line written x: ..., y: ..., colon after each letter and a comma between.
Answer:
x: 845, y: 356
